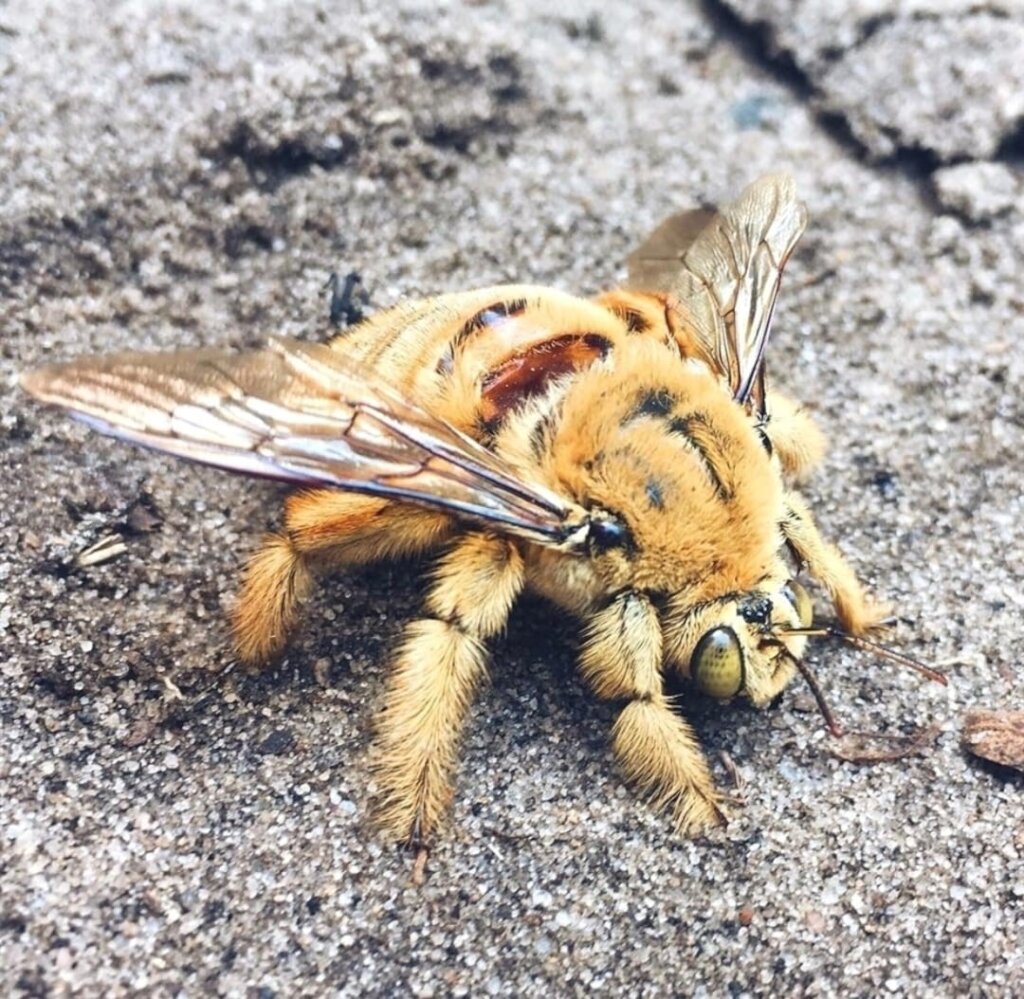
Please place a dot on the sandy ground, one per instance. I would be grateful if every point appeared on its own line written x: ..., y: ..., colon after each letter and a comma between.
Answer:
x: 177, y: 174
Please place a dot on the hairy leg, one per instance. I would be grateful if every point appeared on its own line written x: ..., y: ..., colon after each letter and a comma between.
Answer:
x: 275, y: 584
x: 439, y: 666
x: 656, y: 748
x: 825, y: 562
x: 324, y: 529
x: 795, y: 437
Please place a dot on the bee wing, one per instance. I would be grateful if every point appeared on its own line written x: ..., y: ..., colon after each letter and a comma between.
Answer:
x: 724, y: 273
x: 302, y: 413
x: 656, y: 263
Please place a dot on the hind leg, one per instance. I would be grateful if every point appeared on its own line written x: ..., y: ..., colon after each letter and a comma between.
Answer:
x: 324, y: 529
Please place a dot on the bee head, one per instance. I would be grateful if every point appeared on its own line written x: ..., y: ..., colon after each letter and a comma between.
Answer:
x: 738, y: 645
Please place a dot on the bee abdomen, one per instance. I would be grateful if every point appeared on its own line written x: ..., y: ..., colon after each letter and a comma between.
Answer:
x: 486, y: 317
x: 528, y: 374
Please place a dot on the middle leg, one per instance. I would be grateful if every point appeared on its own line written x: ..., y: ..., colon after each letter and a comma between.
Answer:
x: 824, y: 562
x: 440, y: 664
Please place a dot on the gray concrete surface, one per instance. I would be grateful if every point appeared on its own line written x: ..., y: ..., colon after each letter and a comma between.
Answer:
x: 188, y: 173
x: 861, y: 60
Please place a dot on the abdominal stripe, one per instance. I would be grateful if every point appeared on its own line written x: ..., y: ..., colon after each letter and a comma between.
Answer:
x: 485, y: 317
x: 488, y: 316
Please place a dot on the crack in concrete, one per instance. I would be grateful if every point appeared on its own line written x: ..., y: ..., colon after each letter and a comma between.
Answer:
x: 758, y: 42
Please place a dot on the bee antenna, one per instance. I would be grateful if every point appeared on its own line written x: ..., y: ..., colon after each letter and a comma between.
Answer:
x: 807, y: 673
x: 866, y: 645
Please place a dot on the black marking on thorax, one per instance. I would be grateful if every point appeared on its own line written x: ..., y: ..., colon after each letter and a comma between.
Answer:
x: 697, y: 430
x: 658, y: 403
x: 686, y: 426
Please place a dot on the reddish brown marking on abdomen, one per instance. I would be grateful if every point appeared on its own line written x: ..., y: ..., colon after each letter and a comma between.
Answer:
x: 529, y: 373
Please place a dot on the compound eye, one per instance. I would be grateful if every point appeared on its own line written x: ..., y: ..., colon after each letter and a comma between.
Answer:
x: 800, y: 601
x: 716, y: 665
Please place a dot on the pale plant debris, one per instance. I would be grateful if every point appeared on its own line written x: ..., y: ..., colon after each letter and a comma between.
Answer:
x: 996, y: 736
x: 881, y: 747
x: 419, y: 867
x: 109, y: 547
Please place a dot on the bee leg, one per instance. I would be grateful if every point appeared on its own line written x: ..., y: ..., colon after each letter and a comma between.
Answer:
x: 857, y: 613
x: 334, y: 528
x: 441, y: 662
x: 275, y: 583
x: 794, y: 436
x: 656, y: 748
x: 324, y: 528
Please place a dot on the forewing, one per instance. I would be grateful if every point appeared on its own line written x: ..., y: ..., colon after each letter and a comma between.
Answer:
x: 302, y: 413
x: 727, y: 279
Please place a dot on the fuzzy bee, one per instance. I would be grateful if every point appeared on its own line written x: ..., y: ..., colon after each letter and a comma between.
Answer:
x: 619, y: 456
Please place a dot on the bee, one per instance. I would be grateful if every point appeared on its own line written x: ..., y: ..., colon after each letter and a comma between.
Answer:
x: 620, y: 456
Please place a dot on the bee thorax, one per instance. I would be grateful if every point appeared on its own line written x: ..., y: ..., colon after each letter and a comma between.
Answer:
x: 681, y: 489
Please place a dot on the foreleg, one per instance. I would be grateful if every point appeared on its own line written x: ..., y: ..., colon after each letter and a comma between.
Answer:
x: 825, y: 563
x: 656, y: 748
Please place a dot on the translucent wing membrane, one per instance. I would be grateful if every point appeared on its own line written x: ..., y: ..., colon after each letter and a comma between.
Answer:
x: 722, y: 274
x: 302, y: 413
x: 656, y: 263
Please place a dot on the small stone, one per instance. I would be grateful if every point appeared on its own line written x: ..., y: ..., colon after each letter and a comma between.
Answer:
x: 815, y: 921
x: 322, y: 672
x: 978, y: 192
x: 279, y: 742
x: 143, y: 517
